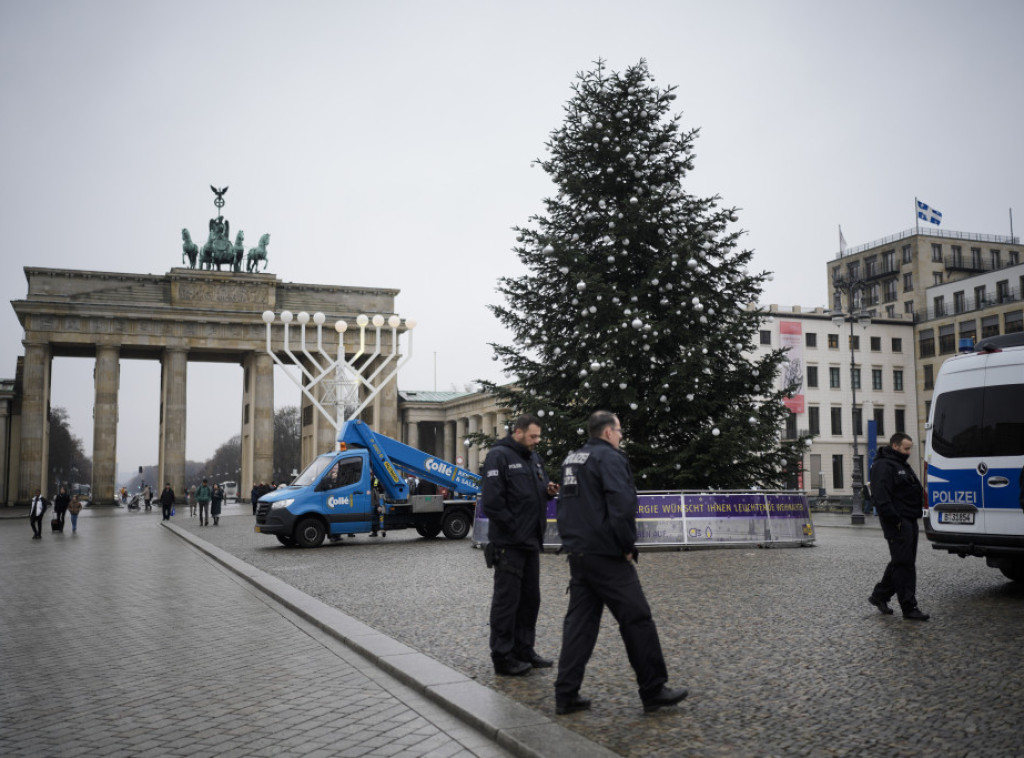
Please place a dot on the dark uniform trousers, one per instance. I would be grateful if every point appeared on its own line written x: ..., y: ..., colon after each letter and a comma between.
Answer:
x: 515, y: 603
x: 596, y: 581
x: 900, y: 577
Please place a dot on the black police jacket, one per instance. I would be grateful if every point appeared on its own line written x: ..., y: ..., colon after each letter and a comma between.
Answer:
x: 515, y: 496
x: 895, y: 489
x: 597, y: 503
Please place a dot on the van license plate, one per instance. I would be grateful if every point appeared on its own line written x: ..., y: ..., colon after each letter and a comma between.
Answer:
x: 956, y: 517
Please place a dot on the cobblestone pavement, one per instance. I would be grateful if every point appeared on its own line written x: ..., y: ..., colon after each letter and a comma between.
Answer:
x: 780, y: 649
x: 123, y: 640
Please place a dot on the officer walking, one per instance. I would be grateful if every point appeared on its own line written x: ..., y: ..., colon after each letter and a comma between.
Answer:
x: 896, y: 492
x: 597, y: 522
x: 514, y: 498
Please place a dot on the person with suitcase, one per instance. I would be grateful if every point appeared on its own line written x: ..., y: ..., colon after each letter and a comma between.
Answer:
x: 60, y: 508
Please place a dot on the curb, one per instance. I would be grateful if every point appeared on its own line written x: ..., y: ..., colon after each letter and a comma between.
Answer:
x: 515, y: 727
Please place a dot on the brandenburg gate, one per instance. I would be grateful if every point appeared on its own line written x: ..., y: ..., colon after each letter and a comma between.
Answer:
x: 185, y: 315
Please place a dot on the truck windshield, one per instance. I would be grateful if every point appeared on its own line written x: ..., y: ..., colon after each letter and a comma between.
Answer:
x: 313, y: 471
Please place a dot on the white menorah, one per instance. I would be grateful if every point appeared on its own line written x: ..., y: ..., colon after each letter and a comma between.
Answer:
x: 347, y: 375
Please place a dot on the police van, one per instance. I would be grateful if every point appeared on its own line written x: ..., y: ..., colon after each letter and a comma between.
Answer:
x: 974, y: 455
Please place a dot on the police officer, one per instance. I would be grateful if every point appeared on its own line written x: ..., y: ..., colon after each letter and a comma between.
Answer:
x: 597, y: 522
x: 897, y: 493
x: 514, y: 499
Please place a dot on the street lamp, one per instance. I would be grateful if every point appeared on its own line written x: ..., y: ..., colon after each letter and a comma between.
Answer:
x: 854, y: 315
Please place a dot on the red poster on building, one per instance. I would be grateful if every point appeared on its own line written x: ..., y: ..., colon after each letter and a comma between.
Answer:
x: 791, y: 340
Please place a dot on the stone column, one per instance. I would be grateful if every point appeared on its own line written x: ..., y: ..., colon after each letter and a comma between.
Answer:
x: 35, y: 428
x: 173, y: 382
x: 460, y: 440
x: 491, y: 424
x: 473, y: 458
x: 261, y: 411
x: 500, y: 419
x: 412, y: 434
x: 6, y: 431
x: 450, y: 434
x: 104, y: 432
x: 385, y: 405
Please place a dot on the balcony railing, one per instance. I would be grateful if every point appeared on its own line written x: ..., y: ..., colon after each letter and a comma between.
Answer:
x: 923, y: 232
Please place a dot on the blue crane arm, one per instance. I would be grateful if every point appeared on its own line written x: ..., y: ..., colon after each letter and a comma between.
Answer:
x: 390, y: 455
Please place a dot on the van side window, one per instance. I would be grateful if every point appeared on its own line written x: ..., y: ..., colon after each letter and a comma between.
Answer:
x: 345, y: 472
x: 980, y: 421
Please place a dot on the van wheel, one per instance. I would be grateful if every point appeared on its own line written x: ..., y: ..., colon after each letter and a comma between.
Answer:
x: 285, y: 540
x: 309, y: 533
x: 456, y: 524
x: 429, y: 530
x: 1013, y: 570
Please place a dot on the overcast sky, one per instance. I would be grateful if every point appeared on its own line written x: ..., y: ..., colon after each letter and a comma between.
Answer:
x: 390, y: 144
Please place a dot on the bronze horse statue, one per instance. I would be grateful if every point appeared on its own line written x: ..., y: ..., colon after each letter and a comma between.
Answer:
x: 189, y: 249
x: 257, y: 254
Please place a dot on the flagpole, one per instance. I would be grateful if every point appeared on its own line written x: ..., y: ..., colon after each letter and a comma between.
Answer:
x: 917, y: 219
x: 1011, y: 227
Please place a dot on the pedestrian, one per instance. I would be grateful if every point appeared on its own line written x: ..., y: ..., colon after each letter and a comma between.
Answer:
x: 167, y: 500
x: 597, y: 510
x: 515, y: 499
x: 35, y: 514
x: 147, y: 496
x: 898, y: 495
x: 60, y: 508
x: 74, y: 508
x: 254, y: 496
x: 203, y: 495
x: 216, y: 498
x: 190, y: 497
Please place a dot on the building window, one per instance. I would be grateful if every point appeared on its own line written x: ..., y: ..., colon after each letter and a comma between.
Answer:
x: 812, y: 376
x: 957, y: 256
x: 968, y: 330
x: 872, y: 295
x: 880, y: 422
x: 897, y: 344
x: 833, y: 341
x: 791, y: 433
x: 936, y: 277
x: 929, y: 379
x: 926, y: 343
x: 1003, y: 291
x: 837, y: 421
x: 908, y: 307
x: 811, y: 339
x: 927, y: 409
x: 890, y: 311
x: 855, y: 378
x: 889, y: 294
x: 833, y: 377
x: 938, y: 306
x: 1014, y: 321
x: 766, y: 337
x: 897, y: 380
x: 853, y: 270
x: 936, y: 252
x: 876, y: 344
x: 908, y: 282
x: 871, y: 267
x: 813, y: 420
x: 979, y: 297
x: 837, y: 472
x: 854, y: 342
x: 997, y: 259
x: 907, y: 255
x: 858, y: 420
x: 1014, y: 257
x: 876, y: 378
x: 947, y: 340
x: 959, y: 302
x: 888, y: 261
x: 976, y: 259
x: 901, y: 420
x: 989, y: 326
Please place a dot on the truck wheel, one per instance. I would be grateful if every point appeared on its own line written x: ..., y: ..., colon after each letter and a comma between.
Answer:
x: 1013, y: 570
x: 309, y: 533
x: 429, y: 530
x: 285, y: 540
x: 456, y: 524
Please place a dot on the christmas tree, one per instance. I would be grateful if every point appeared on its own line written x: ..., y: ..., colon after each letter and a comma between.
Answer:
x: 638, y: 300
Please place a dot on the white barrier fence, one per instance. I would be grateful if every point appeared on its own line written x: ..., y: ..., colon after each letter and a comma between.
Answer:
x: 703, y: 519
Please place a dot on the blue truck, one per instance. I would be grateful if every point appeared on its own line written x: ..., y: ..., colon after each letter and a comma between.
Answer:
x: 362, y: 488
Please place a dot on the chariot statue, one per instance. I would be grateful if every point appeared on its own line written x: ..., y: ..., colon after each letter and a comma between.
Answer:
x: 218, y: 250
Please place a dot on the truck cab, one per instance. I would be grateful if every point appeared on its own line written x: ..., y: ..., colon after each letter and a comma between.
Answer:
x: 361, y: 488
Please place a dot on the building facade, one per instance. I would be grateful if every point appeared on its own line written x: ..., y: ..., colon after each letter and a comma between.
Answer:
x: 875, y: 363
x: 940, y: 280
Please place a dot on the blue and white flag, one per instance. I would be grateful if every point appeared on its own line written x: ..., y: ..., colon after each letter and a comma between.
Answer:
x: 930, y: 215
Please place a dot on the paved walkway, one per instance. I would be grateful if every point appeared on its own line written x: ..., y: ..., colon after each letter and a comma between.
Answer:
x: 132, y: 639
